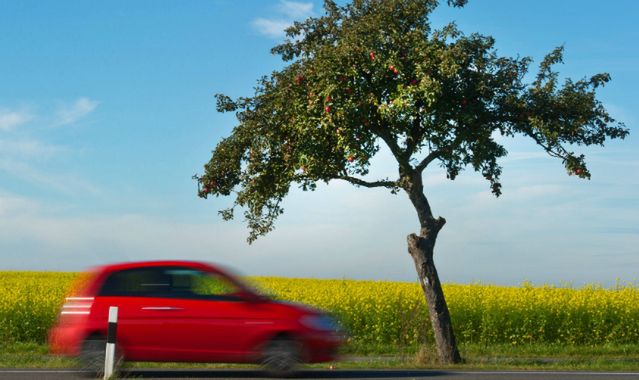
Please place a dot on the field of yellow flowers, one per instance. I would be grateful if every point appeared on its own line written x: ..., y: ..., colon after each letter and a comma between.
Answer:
x: 389, y: 314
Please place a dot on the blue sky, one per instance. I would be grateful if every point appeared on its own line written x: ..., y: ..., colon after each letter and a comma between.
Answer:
x: 107, y: 110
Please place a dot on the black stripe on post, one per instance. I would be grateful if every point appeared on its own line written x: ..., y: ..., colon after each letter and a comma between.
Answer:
x: 113, y: 326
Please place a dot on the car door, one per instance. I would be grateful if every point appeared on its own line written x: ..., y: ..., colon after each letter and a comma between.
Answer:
x: 146, y: 309
x: 216, y: 322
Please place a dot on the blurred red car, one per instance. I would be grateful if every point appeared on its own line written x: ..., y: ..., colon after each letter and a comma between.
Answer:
x: 181, y: 311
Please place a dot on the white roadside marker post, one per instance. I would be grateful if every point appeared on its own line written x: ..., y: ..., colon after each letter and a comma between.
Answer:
x: 109, y: 359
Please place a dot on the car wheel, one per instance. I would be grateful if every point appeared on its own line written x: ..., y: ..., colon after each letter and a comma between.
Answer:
x: 281, y: 357
x: 92, y: 355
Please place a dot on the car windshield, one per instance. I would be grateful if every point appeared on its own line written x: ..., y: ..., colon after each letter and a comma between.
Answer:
x: 246, y: 283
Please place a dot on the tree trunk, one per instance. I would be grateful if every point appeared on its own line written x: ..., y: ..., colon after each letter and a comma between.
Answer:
x: 421, y: 248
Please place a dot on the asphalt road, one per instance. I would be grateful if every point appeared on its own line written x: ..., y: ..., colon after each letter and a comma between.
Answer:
x: 21, y: 374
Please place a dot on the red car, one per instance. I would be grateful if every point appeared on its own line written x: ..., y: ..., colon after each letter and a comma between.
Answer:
x: 181, y: 311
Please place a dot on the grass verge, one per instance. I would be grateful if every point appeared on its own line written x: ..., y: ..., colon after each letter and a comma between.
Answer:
x: 476, y: 357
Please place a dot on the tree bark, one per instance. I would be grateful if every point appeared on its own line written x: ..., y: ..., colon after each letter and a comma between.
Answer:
x: 421, y: 248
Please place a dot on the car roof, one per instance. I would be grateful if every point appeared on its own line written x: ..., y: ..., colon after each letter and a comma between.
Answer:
x: 95, y: 276
x: 157, y: 263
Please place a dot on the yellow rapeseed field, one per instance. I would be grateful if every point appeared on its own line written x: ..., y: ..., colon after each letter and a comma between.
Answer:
x: 382, y: 313
x: 29, y: 302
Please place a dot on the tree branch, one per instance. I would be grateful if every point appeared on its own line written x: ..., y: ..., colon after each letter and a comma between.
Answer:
x: 361, y: 182
x: 548, y: 148
x: 427, y: 160
x: 391, y: 142
x: 392, y: 145
x: 433, y: 155
x: 416, y: 133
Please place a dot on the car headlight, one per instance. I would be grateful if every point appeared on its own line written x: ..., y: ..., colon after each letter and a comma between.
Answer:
x: 320, y: 322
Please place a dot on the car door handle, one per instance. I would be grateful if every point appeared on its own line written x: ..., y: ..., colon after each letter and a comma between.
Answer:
x: 162, y: 308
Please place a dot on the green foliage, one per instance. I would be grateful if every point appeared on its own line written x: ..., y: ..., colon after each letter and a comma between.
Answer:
x: 374, y: 72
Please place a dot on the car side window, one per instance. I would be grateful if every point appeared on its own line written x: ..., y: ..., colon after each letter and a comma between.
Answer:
x: 169, y: 282
x: 139, y: 282
x: 190, y: 283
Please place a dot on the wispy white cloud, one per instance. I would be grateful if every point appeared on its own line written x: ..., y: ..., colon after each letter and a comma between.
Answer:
x: 364, y: 237
x: 295, y: 10
x: 524, y: 193
x: 538, y: 191
x: 9, y: 119
x: 28, y: 148
x: 271, y: 28
x: 62, y: 182
x: 289, y: 11
x: 521, y: 156
x: 620, y: 113
x: 26, y: 155
x: 11, y: 205
x: 70, y: 114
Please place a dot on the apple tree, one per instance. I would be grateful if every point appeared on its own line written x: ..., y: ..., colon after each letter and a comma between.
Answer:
x: 374, y: 73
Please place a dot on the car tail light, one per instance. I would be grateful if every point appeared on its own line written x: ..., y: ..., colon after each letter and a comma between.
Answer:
x: 77, y: 306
